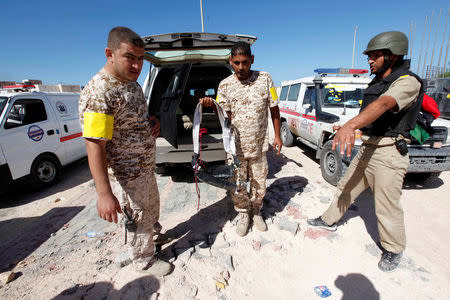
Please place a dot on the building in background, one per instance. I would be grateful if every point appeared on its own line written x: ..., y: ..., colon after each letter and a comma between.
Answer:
x: 31, y: 85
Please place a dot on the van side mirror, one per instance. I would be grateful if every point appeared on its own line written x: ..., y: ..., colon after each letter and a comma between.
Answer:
x: 308, y: 108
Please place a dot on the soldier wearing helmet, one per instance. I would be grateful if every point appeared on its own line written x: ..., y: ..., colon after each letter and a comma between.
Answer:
x: 388, y: 113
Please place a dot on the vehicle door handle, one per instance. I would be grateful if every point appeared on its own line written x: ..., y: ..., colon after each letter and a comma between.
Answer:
x: 50, y: 132
x: 65, y: 128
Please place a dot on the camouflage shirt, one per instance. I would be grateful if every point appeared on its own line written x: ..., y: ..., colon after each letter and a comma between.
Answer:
x: 131, y: 151
x: 249, y: 102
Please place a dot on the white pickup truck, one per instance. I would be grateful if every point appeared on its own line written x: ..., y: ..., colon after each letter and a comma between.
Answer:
x: 39, y: 133
x: 310, y: 106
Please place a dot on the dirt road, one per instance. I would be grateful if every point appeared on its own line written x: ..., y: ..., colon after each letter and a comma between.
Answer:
x: 42, y: 240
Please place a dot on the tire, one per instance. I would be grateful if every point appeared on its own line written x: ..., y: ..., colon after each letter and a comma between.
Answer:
x: 45, y: 171
x: 432, y: 175
x: 160, y: 168
x: 331, y: 164
x: 419, y: 177
x: 286, y: 135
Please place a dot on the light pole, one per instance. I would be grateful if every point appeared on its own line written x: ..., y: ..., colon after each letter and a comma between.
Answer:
x: 201, y: 12
x: 354, y: 41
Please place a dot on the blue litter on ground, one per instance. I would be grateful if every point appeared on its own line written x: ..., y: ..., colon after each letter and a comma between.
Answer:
x: 322, y: 291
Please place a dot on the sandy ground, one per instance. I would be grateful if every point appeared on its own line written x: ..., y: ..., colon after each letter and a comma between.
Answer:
x: 42, y: 241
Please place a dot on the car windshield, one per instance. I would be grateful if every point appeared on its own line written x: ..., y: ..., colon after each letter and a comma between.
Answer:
x: 339, y: 96
x: 3, y: 101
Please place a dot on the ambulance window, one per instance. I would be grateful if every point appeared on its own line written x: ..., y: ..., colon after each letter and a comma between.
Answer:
x: 348, y: 96
x: 3, y: 101
x: 293, y: 92
x: 24, y: 112
x: 284, y: 92
x: 310, y: 96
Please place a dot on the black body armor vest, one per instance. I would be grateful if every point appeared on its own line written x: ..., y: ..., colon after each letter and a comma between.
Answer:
x: 390, y: 124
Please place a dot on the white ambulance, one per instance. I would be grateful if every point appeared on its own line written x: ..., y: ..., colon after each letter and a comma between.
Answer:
x: 181, y: 65
x: 39, y: 133
x: 309, y: 107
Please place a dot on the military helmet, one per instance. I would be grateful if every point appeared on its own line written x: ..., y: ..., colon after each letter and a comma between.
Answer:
x: 395, y: 41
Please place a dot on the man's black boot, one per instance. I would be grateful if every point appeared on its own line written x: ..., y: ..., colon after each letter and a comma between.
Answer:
x: 318, y: 222
x: 389, y: 261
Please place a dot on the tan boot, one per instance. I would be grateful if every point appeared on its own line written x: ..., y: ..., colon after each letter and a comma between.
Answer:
x: 259, y: 222
x: 157, y: 268
x: 243, y: 219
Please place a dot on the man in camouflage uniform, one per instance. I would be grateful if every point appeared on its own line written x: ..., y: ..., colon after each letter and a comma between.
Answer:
x: 246, y: 96
x: 120, y: 143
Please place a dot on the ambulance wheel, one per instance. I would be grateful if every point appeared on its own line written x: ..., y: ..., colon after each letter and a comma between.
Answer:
x: 331, y: 164
x: 286, y: 136
x: 160, y: 168
x: 418, y: 177
x: 430, y: 176
x: 45, y: 171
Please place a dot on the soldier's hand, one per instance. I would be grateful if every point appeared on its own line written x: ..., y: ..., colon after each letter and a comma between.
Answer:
x: 206, y: 101
x: 108, y: 206
x: 345, y: 139
x: 156, y: 125
x: 277, y: 144
x: 336, y: 127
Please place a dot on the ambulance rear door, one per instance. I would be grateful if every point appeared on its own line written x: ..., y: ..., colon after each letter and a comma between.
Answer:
x: 65, y: 107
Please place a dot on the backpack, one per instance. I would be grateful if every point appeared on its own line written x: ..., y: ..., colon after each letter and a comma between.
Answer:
x: 428, y: 113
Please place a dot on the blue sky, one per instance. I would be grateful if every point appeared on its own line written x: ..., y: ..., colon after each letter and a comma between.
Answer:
x: 64, y: 41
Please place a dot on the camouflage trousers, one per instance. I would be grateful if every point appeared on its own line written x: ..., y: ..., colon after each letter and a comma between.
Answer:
x: 254, y: 171
x: 141, y: 198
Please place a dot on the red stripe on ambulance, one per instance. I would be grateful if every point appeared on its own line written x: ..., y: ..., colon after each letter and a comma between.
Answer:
x: 70, y: 137
x: 313, y: 118
x: 290, y: 112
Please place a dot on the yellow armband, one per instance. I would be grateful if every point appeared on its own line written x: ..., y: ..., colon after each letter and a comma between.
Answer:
x: 273, y: 92
x: 217, y: 98
x: 97, y: 125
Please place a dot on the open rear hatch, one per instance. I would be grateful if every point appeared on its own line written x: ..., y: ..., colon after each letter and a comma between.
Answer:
x: 183, y: 49
x: 185, y: 43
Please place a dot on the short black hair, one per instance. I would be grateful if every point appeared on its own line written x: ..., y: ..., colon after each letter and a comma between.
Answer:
x: 241, y: 48
x: 122, y: 34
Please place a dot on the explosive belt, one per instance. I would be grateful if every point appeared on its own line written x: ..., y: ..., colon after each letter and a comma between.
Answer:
x: 217, y: 176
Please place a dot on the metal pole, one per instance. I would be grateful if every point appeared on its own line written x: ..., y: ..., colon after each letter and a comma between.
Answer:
x: 442, y: 45
x: 446, y: 52
x: 354, y: 41
x: 428, y: 44
x: 434, y: 43
x: 409, y: 37
x: 201, y: 12
x: 421, y: 45
x: 412, y: 41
